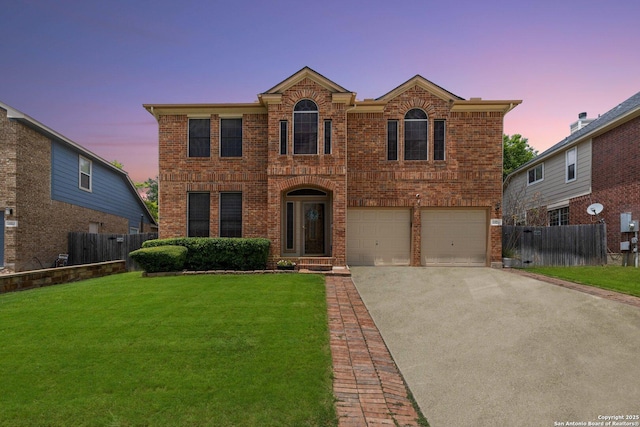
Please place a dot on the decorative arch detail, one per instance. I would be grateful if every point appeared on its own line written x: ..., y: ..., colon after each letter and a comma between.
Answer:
x: 422, y: 104
x: 299, y: 95
x: 306, y: 180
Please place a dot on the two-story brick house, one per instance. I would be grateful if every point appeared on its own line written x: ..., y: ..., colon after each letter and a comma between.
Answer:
x: 597, y: 163
x: 411, y: 178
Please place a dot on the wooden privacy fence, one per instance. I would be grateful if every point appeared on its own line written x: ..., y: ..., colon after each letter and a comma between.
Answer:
x: 564, y: 245
x: 88, y: 248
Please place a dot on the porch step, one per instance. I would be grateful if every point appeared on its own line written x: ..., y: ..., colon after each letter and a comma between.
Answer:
x: 315, y: 267
x: 315, y: 263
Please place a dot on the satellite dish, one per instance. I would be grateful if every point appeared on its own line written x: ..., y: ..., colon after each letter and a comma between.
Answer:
x: 594, y: 209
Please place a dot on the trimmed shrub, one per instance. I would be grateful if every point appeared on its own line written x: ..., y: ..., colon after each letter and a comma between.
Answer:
x: 160, y: 258
x: 220, y: 253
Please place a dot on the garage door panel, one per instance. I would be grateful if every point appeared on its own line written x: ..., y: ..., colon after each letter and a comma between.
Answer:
x: 454, y: 237
x: 378, y: 236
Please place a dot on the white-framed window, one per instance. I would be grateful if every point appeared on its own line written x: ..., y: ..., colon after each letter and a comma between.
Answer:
x: 535, y: 174
x: 559, y: 216
x: 85, y: 168
x: 571, y: 160
x: 305, y: 127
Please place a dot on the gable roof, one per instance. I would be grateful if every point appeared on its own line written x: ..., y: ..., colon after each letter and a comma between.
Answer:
x: 32, y: 123
x: 456, y: 103
x: 618, y: 115
x: 423, y: 83
x: 339, y: 94
x: 305, y: 73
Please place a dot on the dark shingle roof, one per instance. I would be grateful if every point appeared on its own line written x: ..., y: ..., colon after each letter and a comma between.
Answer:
x: 610, y: 116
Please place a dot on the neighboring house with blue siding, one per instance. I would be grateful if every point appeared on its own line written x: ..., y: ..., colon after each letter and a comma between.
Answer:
x: 50, y: 186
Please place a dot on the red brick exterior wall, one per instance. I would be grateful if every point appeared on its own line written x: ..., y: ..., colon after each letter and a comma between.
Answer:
x: 25, y: 186
x: 180, y: 174
x: 469, y: 177
x: 615, y: 180
x: 324, y: 172
x: 356, y: 173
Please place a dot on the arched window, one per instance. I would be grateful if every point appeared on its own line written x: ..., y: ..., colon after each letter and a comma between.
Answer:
x: 305, y: 127
x: 415, y: 135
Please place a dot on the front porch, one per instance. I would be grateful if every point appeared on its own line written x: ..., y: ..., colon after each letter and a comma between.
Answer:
x: 326, y: 265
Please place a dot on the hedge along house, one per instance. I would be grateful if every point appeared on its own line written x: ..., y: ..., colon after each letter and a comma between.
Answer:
x: 411, y: 178
x: 50, y: 186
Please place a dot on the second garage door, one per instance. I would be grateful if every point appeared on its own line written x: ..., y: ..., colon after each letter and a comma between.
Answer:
x: 453, y: 237
x: 378, y: 236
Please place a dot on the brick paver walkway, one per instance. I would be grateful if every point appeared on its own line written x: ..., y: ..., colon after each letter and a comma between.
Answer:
x: 367, y: 384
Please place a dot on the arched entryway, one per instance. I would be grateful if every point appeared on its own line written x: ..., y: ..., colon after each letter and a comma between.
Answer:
x: 306, y: 222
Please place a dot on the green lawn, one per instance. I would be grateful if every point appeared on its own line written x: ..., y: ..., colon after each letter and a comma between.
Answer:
x: 205, y: 350
x: 615, y: 278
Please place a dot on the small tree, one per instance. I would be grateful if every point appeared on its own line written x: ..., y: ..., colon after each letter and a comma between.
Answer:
x: 518, y: 209
x: 150, y: 191
x: 117, y: 164
x: 516, y: 152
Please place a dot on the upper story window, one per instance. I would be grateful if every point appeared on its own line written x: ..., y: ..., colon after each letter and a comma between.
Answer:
x: 199, y: 138
x: 392, y: 140
x: 283, y: 137
x: 327, y: 137
x: 305, y: 127
x: 438, y: 139
x: 415, y: 135
x: 535, y: 174
x: 571, y: 164
x: 85, y: 172
x: 230, y: 137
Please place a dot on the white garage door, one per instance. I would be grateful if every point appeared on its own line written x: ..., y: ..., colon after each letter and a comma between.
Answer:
x: 378, y: 236
x: 453, y: 237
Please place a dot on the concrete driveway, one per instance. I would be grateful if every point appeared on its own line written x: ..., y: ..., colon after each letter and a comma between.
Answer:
x: 484, y: 347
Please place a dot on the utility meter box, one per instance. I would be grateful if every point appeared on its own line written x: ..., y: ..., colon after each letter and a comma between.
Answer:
x: 627, y: 225
x: 624, y: 246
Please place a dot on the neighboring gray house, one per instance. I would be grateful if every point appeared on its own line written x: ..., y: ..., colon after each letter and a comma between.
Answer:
x: 598, y: 163
x: 50, y: 186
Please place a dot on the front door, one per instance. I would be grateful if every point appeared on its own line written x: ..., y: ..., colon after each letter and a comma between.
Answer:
x: 314, y: 229
x: 306, y: 223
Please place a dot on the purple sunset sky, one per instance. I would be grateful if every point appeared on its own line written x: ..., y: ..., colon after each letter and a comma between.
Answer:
x: 84, y: 68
